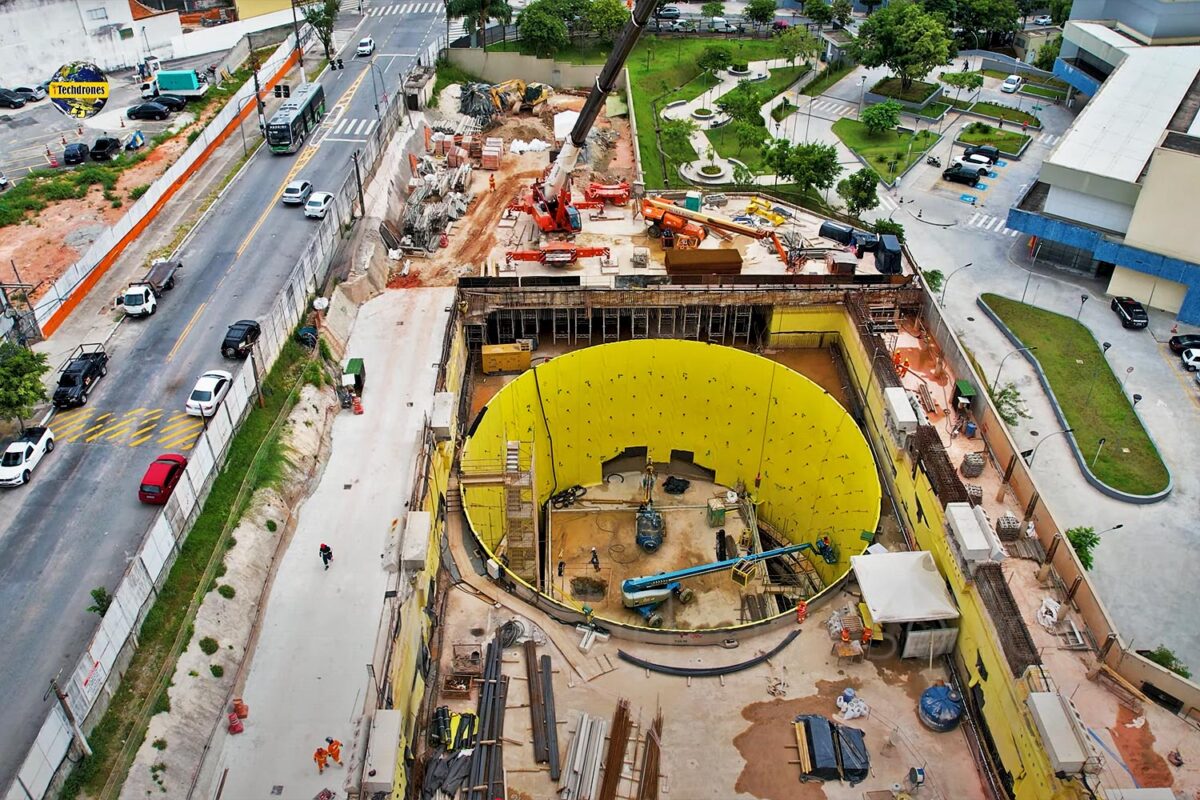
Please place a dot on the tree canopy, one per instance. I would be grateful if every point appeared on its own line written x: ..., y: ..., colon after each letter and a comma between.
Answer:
x: 712, y: 8
x: 323, y: 16
x: 842, y: 12
x: 21, y: 388
x: 819, y: 12
x: 881, y: 117
x: 476, y: 14
x: 607, y: 18
x: 797, y: 43
x: 743, y: 103
x: 714, y: 58
x: 905, y: 39
x: 1048, y: 53
x: 811, y: 165
x: 859, y: 191
x: 760, y: 12
x: 541, y: 29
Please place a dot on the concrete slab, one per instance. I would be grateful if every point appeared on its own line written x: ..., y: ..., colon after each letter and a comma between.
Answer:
x: 307, y: 679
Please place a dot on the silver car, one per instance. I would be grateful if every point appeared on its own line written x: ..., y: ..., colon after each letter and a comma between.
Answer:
x: 32, y: 93
x: 296, y: 192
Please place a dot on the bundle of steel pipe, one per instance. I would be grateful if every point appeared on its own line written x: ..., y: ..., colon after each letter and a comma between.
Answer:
x: 486, y: 778
x: 581, y: 771
x: 651, y: 756
x: 551, y: 718
x: 537, y: 709
x: 614, y: 760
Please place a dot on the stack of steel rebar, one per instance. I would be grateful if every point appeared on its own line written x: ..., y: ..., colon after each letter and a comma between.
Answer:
x: 485, y: 779
x: 651, y: 757
x: 542, y: 715
x: 614, y: 760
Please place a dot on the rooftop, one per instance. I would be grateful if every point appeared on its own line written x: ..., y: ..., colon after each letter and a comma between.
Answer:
x: 1116, y: 133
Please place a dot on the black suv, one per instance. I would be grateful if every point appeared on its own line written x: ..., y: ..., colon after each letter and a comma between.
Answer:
x: 961, y: 174
x: 988, y: 151
x: 172, y: 101
x: 148, y: 111
x: 106, y: 148
x: 240, y: 337
x: 1131, y: 312
x: 11, y: 99
x: 75, y: 153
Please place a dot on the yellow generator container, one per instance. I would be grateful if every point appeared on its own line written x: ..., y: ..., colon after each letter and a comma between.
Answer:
x: 506, y: 358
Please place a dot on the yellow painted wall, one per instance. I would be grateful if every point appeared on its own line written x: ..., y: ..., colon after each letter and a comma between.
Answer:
x: 1164, y: 214
x: 742, y: 416
x: 1016, y: 740
x: 254, y: 8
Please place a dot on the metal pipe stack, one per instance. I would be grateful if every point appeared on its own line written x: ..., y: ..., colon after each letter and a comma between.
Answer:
x: 614, y: 761
x: 581, y: 772
x: 486, y: 778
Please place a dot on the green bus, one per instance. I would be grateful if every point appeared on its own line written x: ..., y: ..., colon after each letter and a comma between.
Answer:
x: 296, y: 118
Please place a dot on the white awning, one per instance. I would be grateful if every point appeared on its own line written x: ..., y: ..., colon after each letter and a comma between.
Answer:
x: 903, y: 587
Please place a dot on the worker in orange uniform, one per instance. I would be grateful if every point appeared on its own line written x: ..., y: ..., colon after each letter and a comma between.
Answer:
x: 322, y: 759
x: 335, y: 750
x: 492, y: 182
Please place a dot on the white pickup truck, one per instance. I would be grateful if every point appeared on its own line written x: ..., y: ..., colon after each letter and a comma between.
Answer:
x: 23, y: 455
x: 141, y: 298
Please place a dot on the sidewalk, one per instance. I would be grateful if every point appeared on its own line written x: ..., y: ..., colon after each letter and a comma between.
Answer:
x: 307, y: 679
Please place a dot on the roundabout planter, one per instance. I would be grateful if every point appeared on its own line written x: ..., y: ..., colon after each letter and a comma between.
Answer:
x: 703, y: 114
x: 739, y: 69
x: 711, y: 171
x: 705, y: 172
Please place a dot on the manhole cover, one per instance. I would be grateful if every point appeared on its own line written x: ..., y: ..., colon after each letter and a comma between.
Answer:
x: 970, y: 319
x: 1033, y: 433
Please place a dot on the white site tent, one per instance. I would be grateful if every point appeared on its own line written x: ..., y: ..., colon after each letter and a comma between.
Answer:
x: 906, y: 589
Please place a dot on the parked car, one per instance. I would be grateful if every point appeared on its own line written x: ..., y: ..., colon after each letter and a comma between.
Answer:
x: 1190, y: 359
x: 1043, y: 19
x: 76, y: 153
x: 976, y: 162
x: 79, y: 374
x: 106, y: 148
x: 1185, y: 341
x: 365, y: 47
x: 31, y: 93
x: 173, y: 102
x: 779, y: 26
x: 148, y: 111
x: 208, y: 393
x: 11, y: 99
x: 961, y: 174
x: 668, y: 12
x: 722, y: 25
x: 23, y: 455
x: 1130, y: 311
x: 680, y: 26
x: 318, y: 205
x: 1011, y: 84
x: 240, y: 337
x: 988, y: 151
x: 160, y: 478
x: 296, y: 192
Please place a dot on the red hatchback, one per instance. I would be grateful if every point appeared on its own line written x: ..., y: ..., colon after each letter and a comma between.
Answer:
x: 160, y: 478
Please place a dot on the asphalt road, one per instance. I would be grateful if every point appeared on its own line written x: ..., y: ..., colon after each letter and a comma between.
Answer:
x: 76, y: 525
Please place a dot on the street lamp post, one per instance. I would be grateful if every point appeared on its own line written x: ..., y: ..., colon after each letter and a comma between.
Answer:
x: 1137, y: 398
x: 375, y: 68
x: 996, y: 382
x: 1099, y: 447
x: 862, y: 93
x: 1128, y: 372
x: 1116, y: 527
x: 1033, y: 455
x: 1083, y: 298
x: 942, y: 299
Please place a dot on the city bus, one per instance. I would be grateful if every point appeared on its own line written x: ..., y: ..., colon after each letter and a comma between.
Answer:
x: 296, y: 118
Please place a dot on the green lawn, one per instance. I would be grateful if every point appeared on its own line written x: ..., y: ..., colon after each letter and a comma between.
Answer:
x: 1048, y: 92
x: 784, y: 110
x: 981, y: 133
x: 828, y: 77
x: 727, y: 146
x: 961, y: 105
x: 447, y: 74
x: 917, y: 92
x: 934, y: 110
x: 1090, y: 395
x: 1005, y: 113
x: 880, y: 151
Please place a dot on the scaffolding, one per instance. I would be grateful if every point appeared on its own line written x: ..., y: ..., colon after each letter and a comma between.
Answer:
x: 640, y: 323
x: 742, y: 323
x: 583, y: 325
x: 716, y: 324
x: 611, y: 324
x: 506, y: 326
x: 529, y: 323
x: 666, y: 321
x: 691, y: 323
x: 520, y: 513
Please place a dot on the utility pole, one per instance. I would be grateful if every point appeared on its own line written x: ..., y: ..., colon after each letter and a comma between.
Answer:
x: 362, y: 204
x: 258, y: 103
x: 80, y: 739
x: 299, y: 50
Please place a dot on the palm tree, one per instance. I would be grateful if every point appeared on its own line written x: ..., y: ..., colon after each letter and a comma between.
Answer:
x: 476, y: 14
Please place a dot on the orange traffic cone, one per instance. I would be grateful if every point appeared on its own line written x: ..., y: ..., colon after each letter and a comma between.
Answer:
x: 444, y: 241
x: 358, y: 407
x: 1175, y: 328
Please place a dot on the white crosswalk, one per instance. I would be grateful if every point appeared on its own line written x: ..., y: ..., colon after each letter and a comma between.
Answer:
x: 416, y: 9
x: 1049, y: 139
x: 833, y: 107
x: 351, y: 6
x: 992, y: 224
x: 347, y: 127
x: 886, y: 202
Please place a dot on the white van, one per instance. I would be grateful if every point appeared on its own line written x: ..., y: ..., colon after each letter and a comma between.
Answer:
x: 722, y: 25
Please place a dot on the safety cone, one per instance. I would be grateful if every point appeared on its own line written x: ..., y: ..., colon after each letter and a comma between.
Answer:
x: 53, y: 160
x: 444, y: 241
x: 235, y: 723
x: 64, y: 139
x: 122, y: 122
x: 1175, y: 328
x: 358, y: 407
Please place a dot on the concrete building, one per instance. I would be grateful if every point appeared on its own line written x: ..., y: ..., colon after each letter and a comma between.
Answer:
x: 1113, y: 198
x: 39, y: 36
x: 1028, y: 42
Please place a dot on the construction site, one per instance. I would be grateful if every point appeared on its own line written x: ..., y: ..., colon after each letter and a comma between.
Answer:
x: 714, y: 504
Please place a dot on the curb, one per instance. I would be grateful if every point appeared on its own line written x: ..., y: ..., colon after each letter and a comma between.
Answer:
x: 1088, y: 475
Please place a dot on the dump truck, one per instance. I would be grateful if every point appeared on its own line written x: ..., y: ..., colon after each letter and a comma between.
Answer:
x: 185, y: 83
x: 141, y: 298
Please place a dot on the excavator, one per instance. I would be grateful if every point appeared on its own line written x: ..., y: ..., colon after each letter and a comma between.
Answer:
x: 663, y: 215
x: 548, y: 200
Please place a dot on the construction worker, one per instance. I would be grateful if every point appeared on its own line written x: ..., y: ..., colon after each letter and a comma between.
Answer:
x: 492, y: 182
x: 335, y: 750
x: 595, y: 559
x: 322, y: 758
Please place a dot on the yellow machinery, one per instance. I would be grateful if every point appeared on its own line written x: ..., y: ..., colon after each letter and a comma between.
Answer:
x: 762, y: 208
x: 506, y: 358
x: 509, y: 95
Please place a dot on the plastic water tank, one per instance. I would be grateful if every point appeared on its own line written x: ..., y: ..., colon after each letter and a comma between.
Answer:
x: 940, y: 708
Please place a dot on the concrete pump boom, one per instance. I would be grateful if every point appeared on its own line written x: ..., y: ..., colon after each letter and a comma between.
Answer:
x: 564, y: 165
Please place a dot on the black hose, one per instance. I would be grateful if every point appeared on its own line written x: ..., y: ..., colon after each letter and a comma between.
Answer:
x: 708, y: 672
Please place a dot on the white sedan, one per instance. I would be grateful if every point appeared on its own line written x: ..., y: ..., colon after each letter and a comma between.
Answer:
x: 1043, y: 20
x: 318, y: 205
x: 1190, y: 360
x: 366, y: 47
x: 209, y: 392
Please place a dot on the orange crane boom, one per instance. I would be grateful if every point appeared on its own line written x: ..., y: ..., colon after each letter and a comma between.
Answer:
x: 667, y: 215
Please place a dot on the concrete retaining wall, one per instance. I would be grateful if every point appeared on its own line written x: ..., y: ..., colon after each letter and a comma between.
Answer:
x: 497, y: 67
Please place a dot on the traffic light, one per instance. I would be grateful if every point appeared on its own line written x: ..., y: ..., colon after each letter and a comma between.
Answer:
x: 287, y: 90
x: 333, y: 65
x: 278, y: 91
x: 340, y: 64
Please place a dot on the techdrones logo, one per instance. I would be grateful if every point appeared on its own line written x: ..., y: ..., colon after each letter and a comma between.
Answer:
x: 79, y: 89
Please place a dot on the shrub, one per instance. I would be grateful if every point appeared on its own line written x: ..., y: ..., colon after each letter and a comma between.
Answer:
x: 194, y: 135
x: 226, y: 591
x: 136, y: 192
x: 217, y: 670
x: 159, y: 744
x: 209, y: 645
x: 272, y: 525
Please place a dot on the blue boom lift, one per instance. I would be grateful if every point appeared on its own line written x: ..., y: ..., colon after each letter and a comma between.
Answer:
x: 644, y: 595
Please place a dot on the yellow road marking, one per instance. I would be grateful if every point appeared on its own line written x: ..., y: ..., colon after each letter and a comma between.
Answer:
x: 67, y: 416
x: 99, y: 424
x: 179, y: 437
x: 1185, y: 378
x: 302, y: 159
x: 179, y: 423
x: 186, y: 331
x: 72, y: 426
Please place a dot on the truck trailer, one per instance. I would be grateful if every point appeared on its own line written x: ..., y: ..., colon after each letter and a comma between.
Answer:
x: 185, y: 83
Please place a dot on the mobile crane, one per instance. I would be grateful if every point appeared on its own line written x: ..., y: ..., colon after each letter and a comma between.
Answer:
x: 549, y: 201
x: 663, y: 215
x: 644, y: 595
